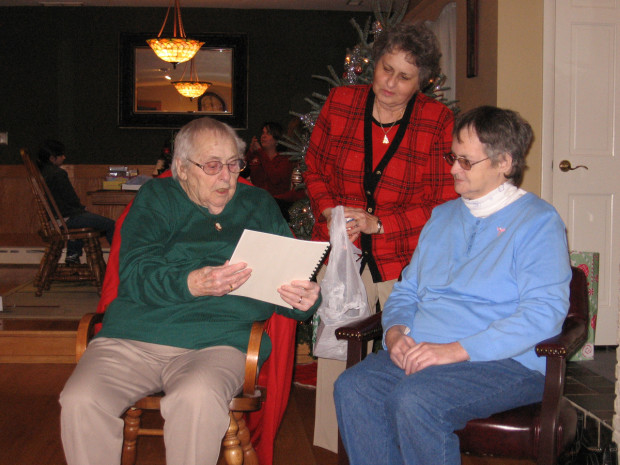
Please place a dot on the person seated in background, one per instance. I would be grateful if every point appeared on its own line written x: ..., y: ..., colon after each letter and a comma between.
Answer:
x: 174, y: 326
x: 50, y: 157
x: 270, y: 170
x: 164, y: 159
x: 488, y: 280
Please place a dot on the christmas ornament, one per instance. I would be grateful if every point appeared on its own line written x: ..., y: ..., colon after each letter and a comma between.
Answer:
x: 377, y: 28
x: 296, y: 176
x: 302, y: 219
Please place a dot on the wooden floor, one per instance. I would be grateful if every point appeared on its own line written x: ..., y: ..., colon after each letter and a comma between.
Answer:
x: 29, y: 414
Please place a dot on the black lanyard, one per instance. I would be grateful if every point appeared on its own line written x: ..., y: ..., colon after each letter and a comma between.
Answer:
x: 373, y: 176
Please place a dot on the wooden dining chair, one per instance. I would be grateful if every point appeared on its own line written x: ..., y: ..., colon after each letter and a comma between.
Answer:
x: 237, y: 447
x: 55, y: 234
x: 541, y: 432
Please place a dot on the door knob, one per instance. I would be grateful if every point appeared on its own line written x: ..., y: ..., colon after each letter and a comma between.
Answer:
x: 565, y: 166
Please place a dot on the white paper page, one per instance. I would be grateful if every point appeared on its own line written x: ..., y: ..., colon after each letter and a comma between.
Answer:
x: 275, y: 260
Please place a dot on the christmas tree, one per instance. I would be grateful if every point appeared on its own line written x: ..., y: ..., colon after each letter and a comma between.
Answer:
x: 358, y: 69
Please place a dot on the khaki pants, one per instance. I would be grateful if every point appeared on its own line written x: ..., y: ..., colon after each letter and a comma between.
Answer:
x: 325, y: 423
x: 114, y: 373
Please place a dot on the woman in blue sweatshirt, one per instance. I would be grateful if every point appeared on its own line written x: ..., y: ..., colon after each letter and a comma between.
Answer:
x: 488, y: 281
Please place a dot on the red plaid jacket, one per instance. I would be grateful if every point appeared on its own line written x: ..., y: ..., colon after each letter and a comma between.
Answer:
x: 402, y: 190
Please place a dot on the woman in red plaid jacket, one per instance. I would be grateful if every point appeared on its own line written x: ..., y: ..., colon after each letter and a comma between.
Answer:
x: 378, y: 151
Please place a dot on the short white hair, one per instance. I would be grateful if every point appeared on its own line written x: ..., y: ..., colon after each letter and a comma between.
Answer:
x: 185, y: 141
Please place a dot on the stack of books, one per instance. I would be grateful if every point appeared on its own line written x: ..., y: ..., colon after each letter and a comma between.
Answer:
x: 135, y: 183
x: 117, y: 176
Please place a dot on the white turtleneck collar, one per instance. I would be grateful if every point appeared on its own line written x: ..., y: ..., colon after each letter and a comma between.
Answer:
x: 494, y: 201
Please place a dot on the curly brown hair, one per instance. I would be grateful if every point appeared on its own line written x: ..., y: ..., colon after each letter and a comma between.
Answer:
x: 418, y: 41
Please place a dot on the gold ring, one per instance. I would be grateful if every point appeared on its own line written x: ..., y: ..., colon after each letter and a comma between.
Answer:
x: 300, y: 298
x: 231, y: 287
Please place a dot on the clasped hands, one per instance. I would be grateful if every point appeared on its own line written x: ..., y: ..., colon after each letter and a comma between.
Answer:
x: 410, y: 356
x: 221, y: 280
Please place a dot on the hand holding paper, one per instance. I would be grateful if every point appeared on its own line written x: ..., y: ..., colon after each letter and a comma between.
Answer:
x: 300, y: 294
x: 217, y: 280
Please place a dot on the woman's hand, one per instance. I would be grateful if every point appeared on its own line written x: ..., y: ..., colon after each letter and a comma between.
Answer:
x: 301, y: 295
x: 327, y: 214
x: 412, y: 357
x: 255, y: 144
x: 217, y: 280
x: 360, y: 222
x: 398, y: 343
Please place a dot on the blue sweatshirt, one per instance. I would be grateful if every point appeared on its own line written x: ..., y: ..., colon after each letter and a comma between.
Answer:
x: 497, y: 285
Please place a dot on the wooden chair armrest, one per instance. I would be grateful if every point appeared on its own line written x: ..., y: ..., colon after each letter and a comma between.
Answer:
x: 85, y: 332
x: 573, y: 335
x: 556, y: 350
x: 251, y: 361
x: 357, y: 336
x: 363, y: 330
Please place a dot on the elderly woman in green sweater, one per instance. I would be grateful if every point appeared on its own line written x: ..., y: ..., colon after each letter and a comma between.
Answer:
x: 173, y: 326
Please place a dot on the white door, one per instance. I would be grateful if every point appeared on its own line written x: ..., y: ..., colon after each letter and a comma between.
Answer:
x: 586, y: 133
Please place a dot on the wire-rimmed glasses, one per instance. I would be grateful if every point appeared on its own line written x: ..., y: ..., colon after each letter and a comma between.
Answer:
x: 463, y: 162
x: 214, y: 167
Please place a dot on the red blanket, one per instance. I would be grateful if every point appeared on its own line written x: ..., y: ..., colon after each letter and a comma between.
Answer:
x: 276, y: 373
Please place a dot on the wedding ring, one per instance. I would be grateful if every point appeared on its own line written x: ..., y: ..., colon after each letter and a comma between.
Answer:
x: 231, y: 287
x: 300, y: 298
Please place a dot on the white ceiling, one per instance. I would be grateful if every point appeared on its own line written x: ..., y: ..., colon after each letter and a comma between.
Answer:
x: 337, y: 5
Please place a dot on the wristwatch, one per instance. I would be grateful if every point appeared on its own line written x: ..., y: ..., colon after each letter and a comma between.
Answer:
x: 379, y: 226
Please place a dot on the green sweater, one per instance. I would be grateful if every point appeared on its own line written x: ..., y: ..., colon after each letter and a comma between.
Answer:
x: 165, y: 236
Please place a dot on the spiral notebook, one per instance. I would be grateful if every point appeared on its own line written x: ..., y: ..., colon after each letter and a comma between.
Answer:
x: 275, y: 260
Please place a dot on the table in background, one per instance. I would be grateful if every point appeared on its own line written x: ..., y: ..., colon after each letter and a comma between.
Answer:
x: 108, y: 203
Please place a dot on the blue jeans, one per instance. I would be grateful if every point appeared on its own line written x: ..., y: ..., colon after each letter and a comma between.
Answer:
x: 386, y: 417
x: 89, y: 220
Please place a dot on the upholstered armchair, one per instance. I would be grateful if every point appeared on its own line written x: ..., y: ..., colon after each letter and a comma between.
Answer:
x: 539, y: 432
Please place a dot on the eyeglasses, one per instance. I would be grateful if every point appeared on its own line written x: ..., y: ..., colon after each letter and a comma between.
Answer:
x: 463, y: 162
x: 214, y: 167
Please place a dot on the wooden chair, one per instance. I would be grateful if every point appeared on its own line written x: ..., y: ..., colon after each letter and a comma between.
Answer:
x: 55, y: 233
x: 539, y: 432
x: 237, y: 448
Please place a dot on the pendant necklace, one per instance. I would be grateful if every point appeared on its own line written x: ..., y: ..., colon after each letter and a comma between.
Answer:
x: 217, y: 224
x: 385, y: 133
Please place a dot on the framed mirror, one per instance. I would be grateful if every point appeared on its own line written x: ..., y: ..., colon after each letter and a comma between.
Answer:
x: 147, y: 97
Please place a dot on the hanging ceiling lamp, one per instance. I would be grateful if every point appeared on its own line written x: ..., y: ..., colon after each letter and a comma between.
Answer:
x: 192, y: 88
x: 176, y: 49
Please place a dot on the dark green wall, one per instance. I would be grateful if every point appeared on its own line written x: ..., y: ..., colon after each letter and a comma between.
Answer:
x: 59, y: 72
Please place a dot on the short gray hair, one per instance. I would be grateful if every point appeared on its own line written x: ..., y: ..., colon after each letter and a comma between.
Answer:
x: 501, y: 131
x: 185, y: 141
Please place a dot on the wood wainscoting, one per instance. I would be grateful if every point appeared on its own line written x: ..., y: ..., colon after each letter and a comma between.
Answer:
x: 19, y: 224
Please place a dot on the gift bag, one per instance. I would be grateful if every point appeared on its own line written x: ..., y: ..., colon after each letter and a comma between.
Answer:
x: 342, y: 289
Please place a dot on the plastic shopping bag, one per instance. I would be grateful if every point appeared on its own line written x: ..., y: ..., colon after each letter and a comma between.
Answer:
x: 342, y: 289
